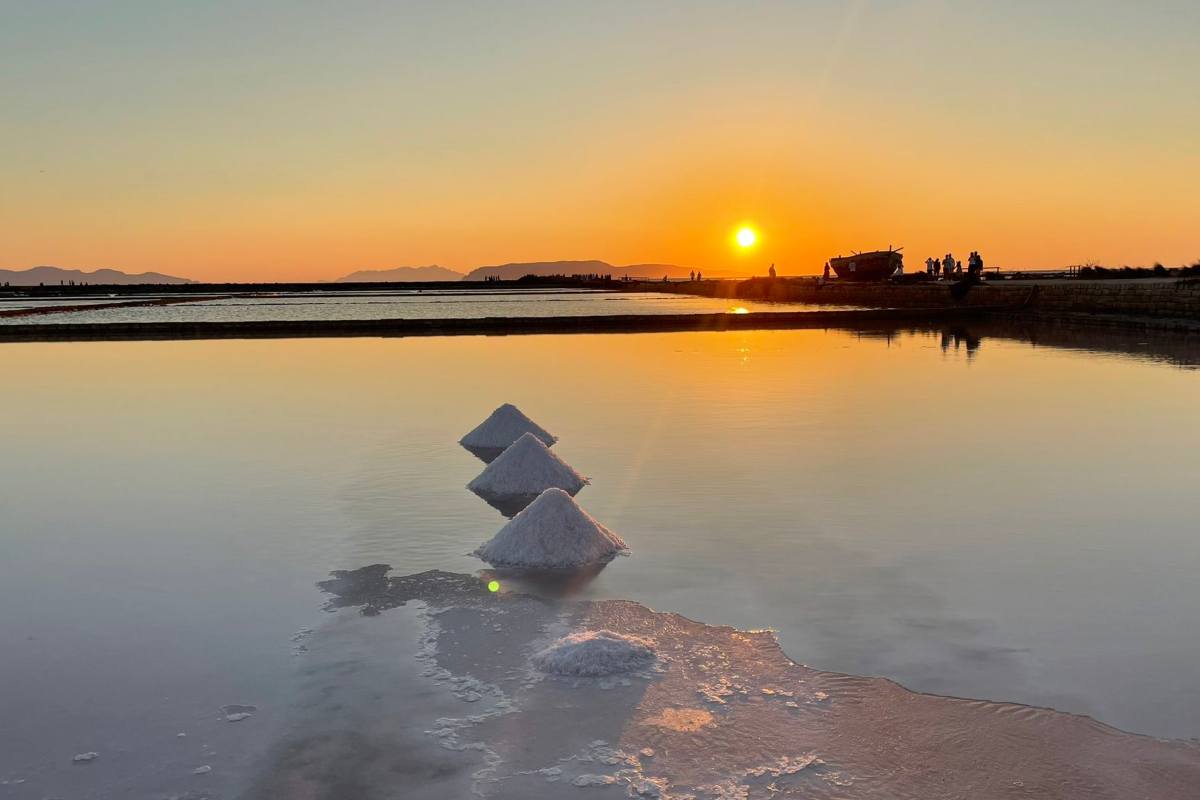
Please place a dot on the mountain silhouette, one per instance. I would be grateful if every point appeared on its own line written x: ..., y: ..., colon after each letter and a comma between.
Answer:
x: 55, y: 275
x: 401, y: 275
x: 512, y: 272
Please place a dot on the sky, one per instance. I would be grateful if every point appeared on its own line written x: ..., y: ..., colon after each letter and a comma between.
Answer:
x: 304, y: 140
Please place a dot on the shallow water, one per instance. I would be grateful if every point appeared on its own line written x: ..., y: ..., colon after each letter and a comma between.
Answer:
x: 24, y: 303
x: 433, y: 304
x: 714, y: 713
x: 1014, y: 524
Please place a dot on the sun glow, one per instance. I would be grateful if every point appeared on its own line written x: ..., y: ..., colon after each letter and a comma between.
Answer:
x: 746, y: 237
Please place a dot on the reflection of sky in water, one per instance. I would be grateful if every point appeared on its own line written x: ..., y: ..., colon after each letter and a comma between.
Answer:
x: 998, y: 527
x: 410, y: 305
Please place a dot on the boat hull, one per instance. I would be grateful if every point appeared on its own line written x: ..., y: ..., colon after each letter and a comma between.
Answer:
x: 867, y: 267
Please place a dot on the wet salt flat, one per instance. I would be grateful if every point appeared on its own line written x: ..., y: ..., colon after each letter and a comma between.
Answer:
x: 993, y: 525
x: 434, y: 304
x: 24, y: 303
x: 702, y: 711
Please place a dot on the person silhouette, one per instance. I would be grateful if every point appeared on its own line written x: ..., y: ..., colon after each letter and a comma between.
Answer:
x: 771, y: 271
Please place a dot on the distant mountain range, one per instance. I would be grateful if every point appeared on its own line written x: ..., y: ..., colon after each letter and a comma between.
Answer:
x: 401, y: 275
x: 53, y: 276
x: 511, y: 272
x: 515, y: 271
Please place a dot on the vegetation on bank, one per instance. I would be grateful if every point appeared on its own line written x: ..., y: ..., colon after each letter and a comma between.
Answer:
x: 1096, y: 272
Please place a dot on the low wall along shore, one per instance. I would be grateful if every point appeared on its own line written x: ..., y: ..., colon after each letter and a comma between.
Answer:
x: 1179, y: 299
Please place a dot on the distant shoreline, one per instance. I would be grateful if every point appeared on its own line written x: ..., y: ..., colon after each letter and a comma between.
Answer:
x: 483, y: 326
x: 122, y: 289
x: 1159, y: 304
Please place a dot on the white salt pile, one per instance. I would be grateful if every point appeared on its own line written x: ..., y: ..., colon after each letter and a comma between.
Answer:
x: 595, y: 653
x: 526, y: 467
x: 503, y: 427
x: 552, y: 533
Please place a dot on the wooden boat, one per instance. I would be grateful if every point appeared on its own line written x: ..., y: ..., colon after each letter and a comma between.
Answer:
x: 864, y: 267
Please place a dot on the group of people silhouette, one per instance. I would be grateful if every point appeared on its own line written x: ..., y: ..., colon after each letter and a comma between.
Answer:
x: 948, y: 268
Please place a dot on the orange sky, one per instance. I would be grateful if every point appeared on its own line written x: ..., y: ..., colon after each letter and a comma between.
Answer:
x: 303, y: 141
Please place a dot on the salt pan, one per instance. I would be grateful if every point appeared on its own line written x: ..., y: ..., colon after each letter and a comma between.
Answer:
x: 552, y: 533
x: 503, y: 427
x: 522, y: 472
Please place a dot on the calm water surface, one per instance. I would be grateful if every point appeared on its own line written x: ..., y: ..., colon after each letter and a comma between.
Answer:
x: 435, y: 304
x: 1017, y: 525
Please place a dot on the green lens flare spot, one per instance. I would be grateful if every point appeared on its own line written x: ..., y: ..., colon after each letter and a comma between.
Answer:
x: 493, y: 586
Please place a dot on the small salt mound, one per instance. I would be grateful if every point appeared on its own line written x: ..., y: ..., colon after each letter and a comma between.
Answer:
x: 552, y: 533
x: 527, y: 467
x: 505, y: 425
x: 595, y: 653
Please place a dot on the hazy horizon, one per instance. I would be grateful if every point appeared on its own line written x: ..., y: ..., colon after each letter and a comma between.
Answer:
x: 563, y: 266
x: 302, y: 141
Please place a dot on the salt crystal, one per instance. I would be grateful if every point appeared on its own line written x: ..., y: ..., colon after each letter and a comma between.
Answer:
x: 593, y: 780
x: 552, y: 533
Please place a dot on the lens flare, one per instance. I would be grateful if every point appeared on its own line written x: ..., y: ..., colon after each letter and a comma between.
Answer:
x: 493, y: 586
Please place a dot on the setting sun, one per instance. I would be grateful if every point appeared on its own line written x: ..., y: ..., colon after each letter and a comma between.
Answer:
x: 746, y: 237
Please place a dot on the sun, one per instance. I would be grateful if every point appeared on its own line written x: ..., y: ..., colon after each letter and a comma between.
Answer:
x: 746, y: 237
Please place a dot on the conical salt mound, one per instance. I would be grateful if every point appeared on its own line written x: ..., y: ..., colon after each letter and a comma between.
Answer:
x: 552, y: 533
x: 595, y: 653
x: 522, y: 472
x: 503, y: 427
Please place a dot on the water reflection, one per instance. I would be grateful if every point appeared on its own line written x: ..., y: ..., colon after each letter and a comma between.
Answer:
x: 960, y: 336
x: 1030, y: 541
x: 1180, y: 348
x: 1177, y: 347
